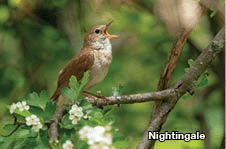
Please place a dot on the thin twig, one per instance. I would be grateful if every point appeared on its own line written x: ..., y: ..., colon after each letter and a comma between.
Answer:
x: 14, y: 130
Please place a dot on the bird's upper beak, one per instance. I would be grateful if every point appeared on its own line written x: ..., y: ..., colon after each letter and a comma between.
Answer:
x: 106, y: 33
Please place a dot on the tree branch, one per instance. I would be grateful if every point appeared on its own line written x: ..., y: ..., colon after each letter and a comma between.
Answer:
x: 172, y: 59
x: 182, y: 86
x: 130, y: 99
x: 174, y: 93
x: 53, y: 127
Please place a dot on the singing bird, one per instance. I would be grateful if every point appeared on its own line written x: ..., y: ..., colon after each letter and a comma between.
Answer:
x: 95, y: 55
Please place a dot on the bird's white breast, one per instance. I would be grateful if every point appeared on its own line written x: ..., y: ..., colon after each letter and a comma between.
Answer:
x: 102, y: 60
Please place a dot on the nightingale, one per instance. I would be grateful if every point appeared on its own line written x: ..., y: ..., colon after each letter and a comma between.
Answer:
x: 95, y: 55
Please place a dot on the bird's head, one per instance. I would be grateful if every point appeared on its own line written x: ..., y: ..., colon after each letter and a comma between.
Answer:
x: 98, y: 33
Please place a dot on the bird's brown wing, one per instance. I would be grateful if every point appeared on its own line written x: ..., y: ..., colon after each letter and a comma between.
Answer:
x: 82, y: 62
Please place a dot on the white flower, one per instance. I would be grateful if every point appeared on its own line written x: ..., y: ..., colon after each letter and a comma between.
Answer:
x: 75, y: 120
x: 74, y: 107
x: 96, y: 136
x: 32, y: 120
x: 93, y: 147
x: 87, y: 117
x: 18, y: 104
x: 68, y: 145
x: 23, y: 106
x: 75, y: 114
x: 107, y: 139
x: 105, y: 147
x: 12, y: 108
x: 37, y: 126
x: 99, y: 146
x: 84, y: 132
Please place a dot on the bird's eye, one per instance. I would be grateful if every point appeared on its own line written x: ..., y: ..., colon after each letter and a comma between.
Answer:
x: 97, y: 31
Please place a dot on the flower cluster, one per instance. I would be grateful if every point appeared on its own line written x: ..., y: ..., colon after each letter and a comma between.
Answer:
x: 34, y: 121
x: 20, y: 105
x: 97, y: 137
x: 75, y: 114
x: 68, y: 145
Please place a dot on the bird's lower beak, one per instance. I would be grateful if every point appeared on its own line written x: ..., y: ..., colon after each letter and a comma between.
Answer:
x: 106, y: 33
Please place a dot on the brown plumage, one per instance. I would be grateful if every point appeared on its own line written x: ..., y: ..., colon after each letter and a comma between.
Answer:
x: 77, y: 66
x: 95, y: 56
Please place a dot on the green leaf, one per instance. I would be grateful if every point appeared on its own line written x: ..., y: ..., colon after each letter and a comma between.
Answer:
x: 81, y: 144
x: 44, y: 95
x: 42, y: 140
x: 96, y: 114
x: 49, y: 110
x: 107, y: 111
x: 186, y: 69
x: 24, y: 113
x: 73, y: 83
x: 84, y: 80
x: 190, y: 62
x: 19, y: 144
x: 1, y: 139
x: 91, y: 123
x: 213, y: 12
x: 9, y: 127
x: 107, y: 120
x: 36, y: 111
x: 202, y: 81
x: 70, y: 94
x: 34, y: 100
x: 4, y: 14
x: 64, y: 138
x: 7, y: 143
x: 25, y: 132
x: 85, y: 105
x: 76, y: 88
x: 29, y: 143
x: 66, y: 122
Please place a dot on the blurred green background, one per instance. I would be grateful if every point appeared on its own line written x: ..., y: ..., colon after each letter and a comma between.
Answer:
x: 38, y: 38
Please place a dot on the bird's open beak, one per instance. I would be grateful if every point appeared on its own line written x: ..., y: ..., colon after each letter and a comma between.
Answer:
x: 106, y: 33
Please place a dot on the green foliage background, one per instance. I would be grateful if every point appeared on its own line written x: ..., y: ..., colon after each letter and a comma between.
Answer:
x: 37, y: 39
